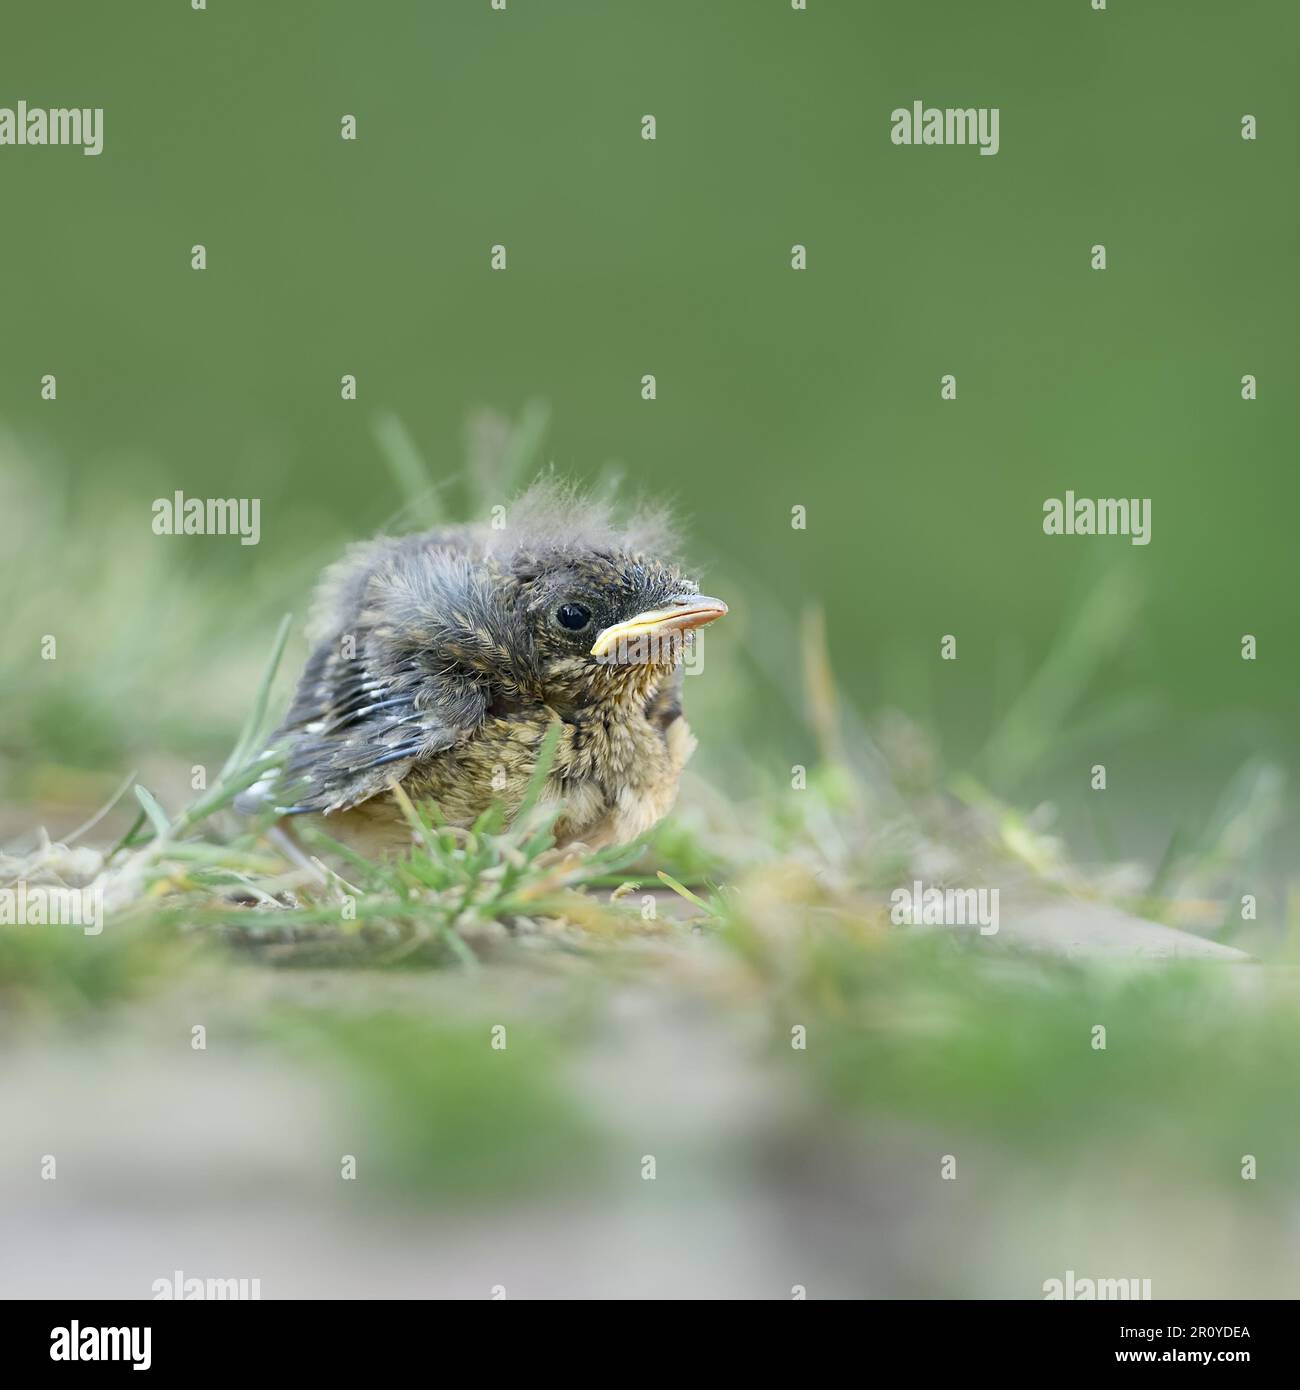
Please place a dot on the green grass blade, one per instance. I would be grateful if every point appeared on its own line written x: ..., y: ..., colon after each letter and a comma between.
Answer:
x: 250, y: 735
x: 157, y: 816
x: 683, y: 891
x: 541, y: 771
x: 409, y: 469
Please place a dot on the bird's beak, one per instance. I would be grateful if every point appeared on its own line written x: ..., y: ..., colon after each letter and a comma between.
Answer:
x: 680, y: 616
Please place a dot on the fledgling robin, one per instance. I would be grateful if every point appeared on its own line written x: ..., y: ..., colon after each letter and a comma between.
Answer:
x: 441, y: 660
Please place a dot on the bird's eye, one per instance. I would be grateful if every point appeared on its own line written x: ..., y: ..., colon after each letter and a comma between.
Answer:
x: 573, y: 616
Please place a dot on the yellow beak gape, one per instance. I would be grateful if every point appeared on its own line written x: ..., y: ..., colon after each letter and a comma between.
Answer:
x: 659, y: 622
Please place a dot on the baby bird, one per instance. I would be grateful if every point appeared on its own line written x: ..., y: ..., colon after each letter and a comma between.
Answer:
x: 441, y: 660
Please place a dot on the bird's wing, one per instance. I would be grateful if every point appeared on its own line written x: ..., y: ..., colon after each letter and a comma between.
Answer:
x: 356, y: 725
x: 405, y: 672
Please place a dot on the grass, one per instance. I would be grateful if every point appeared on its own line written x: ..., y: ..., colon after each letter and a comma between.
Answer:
x: 741, y: 922
x: 876, y: 810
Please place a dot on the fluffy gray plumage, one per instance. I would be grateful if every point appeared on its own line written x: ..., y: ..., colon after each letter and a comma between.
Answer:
x: 427, y: 645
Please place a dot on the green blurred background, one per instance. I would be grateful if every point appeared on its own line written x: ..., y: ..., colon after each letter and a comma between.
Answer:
x: 778, y: 1166
x: 775, y: 388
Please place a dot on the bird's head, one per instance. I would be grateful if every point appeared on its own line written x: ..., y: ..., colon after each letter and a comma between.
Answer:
x: 607, y: 612
x: 605, y: 621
